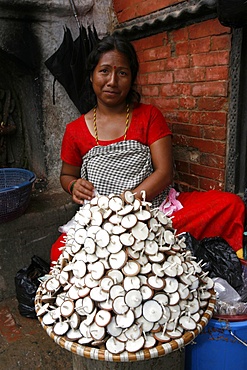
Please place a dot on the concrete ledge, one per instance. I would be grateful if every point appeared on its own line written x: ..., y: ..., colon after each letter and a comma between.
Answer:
x: 33, y: 233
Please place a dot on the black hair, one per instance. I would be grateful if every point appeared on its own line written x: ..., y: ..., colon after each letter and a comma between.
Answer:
x: 114, y: 42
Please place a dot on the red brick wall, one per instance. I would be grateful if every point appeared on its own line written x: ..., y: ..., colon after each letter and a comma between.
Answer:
x: 129, y: 9
x: 185, y: 73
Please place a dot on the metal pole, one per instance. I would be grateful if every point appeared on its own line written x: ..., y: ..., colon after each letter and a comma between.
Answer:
x: 74, y: 12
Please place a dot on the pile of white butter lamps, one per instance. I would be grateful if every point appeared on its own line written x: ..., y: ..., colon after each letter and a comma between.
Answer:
x: 124, y: 283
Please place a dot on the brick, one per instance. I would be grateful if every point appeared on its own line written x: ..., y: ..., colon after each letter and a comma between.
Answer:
x: 120, y: 5
x: 181, y: 166
x: 221, y: 42
x: 149, y: 6
x: 150, y: 91
x: 217, y: 88
x: 182, y: 48
x: 207, y: 172
x: 160, y: 78
x: 207, y: 28
x: 188, y: 130
x: 213, y: 132
x: 163, y: 104
x: 140, y: 57
x: 175, y: 89
x: 161, y: 52
x: 214, y: 58
x: 217, y: 73
x: 180, y: 34
x: 212, y: 104
x: 152, y: 6
x: 150, y: 42
x: 166, y: 3
x: 189, y: 180
x: 209, y: 184
x: 187, y: 103
x: 169, y: 90
x: 154, y: 66
x: 207, y: 146
x: 142, y: 80
x: 200, y: 45
x: 183, y: 187
x: 208, y: 118
x: 126, y: 14
x: 184, y: 89
x: 181, y: 140
x: 137, y: 9
x: 189, y: 75
x: 145, y: 100
x: 212, y: 160
x: 177, y: 116
x: 179, y: 62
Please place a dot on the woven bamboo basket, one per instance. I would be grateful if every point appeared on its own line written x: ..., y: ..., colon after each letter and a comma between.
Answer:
x: 145, y: 354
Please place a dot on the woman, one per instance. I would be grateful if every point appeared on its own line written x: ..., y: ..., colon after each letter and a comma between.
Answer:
x: 117, y: 117
x: 120, y: 143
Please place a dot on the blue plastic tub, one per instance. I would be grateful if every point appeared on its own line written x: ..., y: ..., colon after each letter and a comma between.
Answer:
x: 222, y: 345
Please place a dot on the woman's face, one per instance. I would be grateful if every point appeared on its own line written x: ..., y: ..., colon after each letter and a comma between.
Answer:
x: 111, y: 78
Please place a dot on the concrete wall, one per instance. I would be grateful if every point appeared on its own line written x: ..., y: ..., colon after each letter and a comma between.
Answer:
x: 30, y: 32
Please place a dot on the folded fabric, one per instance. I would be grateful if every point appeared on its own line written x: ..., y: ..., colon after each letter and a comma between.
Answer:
x: 171, y: 204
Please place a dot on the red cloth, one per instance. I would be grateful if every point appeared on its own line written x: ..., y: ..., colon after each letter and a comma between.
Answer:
x: 147, y: 126
x: 55, y: 249
x: 212, y: 213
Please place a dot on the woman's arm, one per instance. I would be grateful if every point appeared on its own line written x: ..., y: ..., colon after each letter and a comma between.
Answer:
x: 161, y: 154
x: 72, y: 183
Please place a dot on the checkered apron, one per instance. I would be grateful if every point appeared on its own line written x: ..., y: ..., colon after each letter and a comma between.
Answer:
x: 118, y: 167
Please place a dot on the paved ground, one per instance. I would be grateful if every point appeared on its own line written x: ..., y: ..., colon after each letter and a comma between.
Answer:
x: 24, y: 345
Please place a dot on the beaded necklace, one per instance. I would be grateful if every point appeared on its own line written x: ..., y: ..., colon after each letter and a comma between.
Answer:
x: 95, y: 124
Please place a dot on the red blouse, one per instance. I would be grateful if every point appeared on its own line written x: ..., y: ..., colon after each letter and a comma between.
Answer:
x: 147, y: 126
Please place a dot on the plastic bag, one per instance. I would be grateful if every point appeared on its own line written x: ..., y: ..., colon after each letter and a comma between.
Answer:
x: 219, y: 259
x: 225, y: 292
x: 243, y: 292
x: 27, y: 283
x: 71, y: 223
x: 237, y: 309
x: 228, y: 300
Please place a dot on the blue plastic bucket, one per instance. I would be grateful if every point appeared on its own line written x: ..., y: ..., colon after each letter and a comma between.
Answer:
x: 222, y: 345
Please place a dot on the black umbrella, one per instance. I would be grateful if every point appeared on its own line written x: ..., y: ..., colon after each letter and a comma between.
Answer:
x: 83, y: 45
x: 68, y: 64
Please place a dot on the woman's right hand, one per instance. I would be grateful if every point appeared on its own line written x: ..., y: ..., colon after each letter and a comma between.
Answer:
x: 82, y: 190
x: 71, y: 181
